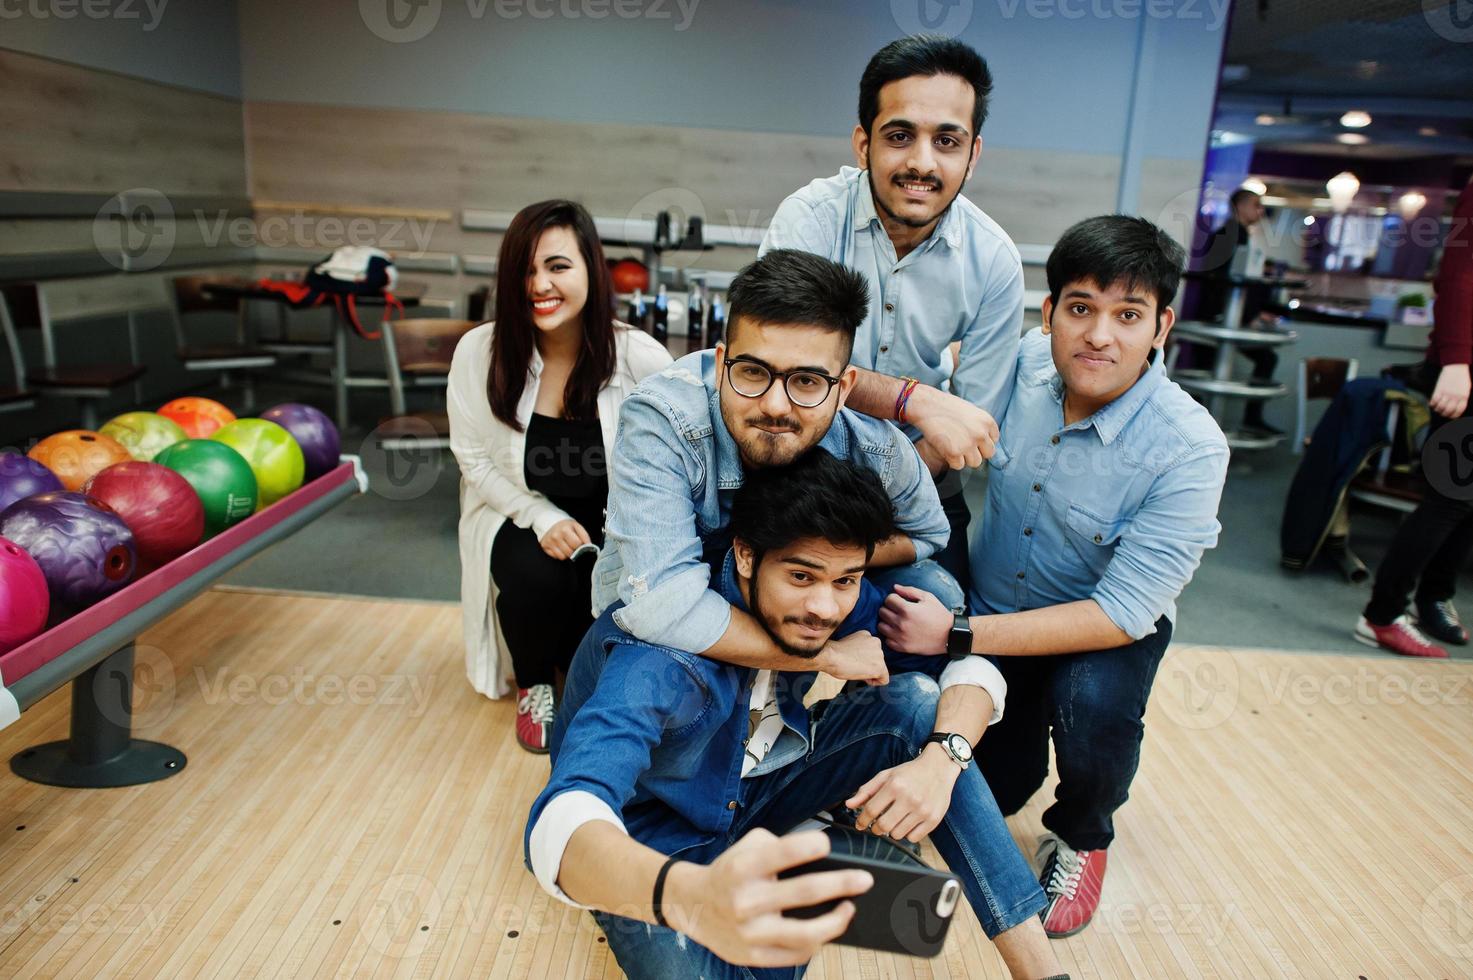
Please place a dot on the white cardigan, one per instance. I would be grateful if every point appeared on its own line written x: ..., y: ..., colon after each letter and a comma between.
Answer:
x: 493, y: 485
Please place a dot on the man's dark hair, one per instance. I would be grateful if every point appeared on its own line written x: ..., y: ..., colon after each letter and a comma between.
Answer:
x: 815, y: 496
x: 1117, y: 249
x: 1242, y: 194
x: 925, y: 55
x: 789, y: 286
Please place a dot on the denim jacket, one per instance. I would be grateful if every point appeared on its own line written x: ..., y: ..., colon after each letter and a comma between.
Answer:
x: 674, y: 470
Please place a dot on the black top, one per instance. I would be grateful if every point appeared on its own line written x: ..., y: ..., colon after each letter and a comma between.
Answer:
x: 565, y: 463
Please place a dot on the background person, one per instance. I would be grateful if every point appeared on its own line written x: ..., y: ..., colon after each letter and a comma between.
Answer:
x: 533, y: 398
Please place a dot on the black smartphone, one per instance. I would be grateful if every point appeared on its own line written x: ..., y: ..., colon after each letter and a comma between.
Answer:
x: 908, y: 910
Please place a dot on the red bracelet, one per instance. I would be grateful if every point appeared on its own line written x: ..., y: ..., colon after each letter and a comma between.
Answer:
x: 906, y: 390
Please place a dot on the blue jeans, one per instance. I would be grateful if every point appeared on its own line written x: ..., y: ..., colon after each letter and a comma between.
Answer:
x: 928, y: 575
x: 1094, y: 704
x: 855, y: 736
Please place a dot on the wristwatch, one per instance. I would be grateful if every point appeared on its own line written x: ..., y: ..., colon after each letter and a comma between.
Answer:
x: 959, y: 640
x: 955, y: 745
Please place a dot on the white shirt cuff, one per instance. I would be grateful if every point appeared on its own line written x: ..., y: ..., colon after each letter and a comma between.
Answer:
x: 979, y: 672
x: 563, y: 815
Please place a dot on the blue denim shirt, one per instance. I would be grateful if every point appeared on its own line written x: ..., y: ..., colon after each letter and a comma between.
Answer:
x: 674, y: 470
x: 659, y: 734
x: 1117, y: 507
x: 963, y: 283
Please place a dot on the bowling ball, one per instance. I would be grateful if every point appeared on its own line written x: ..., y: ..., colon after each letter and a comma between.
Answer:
x: 220, y: 476
x: 313, y: 431
x: 198, y: 417
x: 143, y: 434
x: 76, y: 455
x: 24, y: 602
x: 274, y: 455
x: 21, y: 476
x: 158, y: 505
x: 628, y: 275
x: 84, y: 549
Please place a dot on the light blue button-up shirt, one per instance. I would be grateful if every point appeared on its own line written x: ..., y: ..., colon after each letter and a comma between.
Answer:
x: 1117, y: 507
x: 963, y: 283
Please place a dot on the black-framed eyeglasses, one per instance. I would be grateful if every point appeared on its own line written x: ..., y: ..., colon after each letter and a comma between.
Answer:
x: 805, y: 388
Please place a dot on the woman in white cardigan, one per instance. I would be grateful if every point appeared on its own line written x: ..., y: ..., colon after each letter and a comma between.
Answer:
x: 532, y: 422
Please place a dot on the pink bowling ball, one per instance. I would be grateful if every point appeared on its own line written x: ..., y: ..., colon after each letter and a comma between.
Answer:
x: 24, y: 601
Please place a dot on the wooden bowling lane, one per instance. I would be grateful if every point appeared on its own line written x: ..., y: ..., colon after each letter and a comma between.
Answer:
x: 352, y: 809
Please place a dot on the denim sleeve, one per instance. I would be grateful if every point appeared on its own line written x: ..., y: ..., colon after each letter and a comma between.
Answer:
x: 1162, y: 545
x: 918, y: 511
x: 664, y: 584
x: 642, y: 691
x: 989, y: 352
x: 796, y: 225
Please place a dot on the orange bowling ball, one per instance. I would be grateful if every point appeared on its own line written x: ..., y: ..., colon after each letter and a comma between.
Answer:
x: 198, y: 417
x: 75, y: 456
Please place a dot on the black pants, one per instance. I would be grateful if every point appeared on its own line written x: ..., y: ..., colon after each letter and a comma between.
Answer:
x: 954, y: 557
x: 544, y: 604
x: 1094, y: 706
x: 1265, y: 362
x: 1429, y: 549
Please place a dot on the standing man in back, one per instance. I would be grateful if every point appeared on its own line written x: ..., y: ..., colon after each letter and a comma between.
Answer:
x: 940, y: 270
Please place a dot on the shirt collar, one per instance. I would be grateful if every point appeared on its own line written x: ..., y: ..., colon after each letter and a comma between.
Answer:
x: 1111, y: 420
x: 948, y: 229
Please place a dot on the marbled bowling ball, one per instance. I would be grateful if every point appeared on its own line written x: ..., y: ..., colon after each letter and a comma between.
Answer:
x: 83, y: 547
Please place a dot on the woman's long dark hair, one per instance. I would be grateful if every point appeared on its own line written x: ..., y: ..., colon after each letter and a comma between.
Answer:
x: 516, y: 334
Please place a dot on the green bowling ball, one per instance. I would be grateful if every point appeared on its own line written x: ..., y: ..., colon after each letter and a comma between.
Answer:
x: 144, y: 434
x: 272, y: 453
x: 221, y: 477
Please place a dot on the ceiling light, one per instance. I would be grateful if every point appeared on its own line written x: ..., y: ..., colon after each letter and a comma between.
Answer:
x: 1427, y: 131
x: 1352, y: 139
x: 1410, y: 203
x: 1265, y: 119
x: 1356, y: 119
x: 1342, y: 189
x: 1308, y: 220
x: 1255, y: 185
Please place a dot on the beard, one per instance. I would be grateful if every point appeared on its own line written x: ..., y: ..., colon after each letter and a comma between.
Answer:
x: 762, y: 449
x: 899, y: 218
x: 773, y: 623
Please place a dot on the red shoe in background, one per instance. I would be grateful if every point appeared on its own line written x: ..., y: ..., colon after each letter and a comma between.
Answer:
x: 1399, y: 637
x: 1072, y: 880
x: 535, y: 712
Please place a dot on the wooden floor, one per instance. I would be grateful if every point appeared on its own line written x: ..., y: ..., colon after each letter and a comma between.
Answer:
x: 352, y: 809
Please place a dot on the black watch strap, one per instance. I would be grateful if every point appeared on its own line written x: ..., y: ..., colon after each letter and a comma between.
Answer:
x: 959, y: 640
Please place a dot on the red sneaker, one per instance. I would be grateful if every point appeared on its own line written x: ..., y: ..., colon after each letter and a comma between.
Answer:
x: 1400, y: 637
x: 1072, y: 881
x: 534, y: 717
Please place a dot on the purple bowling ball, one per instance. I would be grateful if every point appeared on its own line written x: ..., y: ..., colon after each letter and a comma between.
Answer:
x: 83, y: 547
x: 313, y: 431
x: 21, y: 476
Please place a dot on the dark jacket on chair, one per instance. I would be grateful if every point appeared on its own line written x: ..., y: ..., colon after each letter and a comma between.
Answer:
x: 1352, y: 428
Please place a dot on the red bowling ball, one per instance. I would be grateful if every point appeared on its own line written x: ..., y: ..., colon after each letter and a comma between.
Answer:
x: 24, y: 601
x: 158, y: 505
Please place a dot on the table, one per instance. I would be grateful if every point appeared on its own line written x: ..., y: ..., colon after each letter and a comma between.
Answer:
x: 94, y: 649
x: 408, y: 293
x: 1218, y: 384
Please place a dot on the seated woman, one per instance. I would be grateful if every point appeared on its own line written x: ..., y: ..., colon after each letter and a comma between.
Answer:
x: 532, y: 420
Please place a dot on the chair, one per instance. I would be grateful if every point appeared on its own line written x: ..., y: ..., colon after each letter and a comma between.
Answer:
x: 17, y: 398
x: 478, y: 305
x: 87, y: 384
x: 417, y: 353
x: 1381, y: 486
x: 1319, y: 377
x: 190, y: 297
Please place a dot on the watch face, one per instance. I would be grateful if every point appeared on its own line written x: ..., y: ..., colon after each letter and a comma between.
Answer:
x: 959, y: 747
